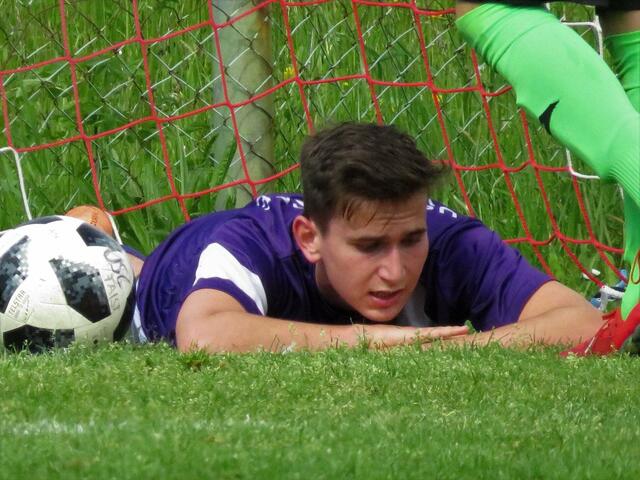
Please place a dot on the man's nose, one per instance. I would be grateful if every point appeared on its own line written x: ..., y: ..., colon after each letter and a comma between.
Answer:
x: 392, y: 267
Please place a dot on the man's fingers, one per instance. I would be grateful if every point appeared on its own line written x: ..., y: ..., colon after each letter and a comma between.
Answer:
x: 433, y: 333
x: 383, y: 336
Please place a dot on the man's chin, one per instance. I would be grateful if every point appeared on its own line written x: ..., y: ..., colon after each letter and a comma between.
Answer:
x: 377, y: 316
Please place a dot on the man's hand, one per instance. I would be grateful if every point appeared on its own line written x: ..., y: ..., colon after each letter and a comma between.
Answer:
x: 385, y: 336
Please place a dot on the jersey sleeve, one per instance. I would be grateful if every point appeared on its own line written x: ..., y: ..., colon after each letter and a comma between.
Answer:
x: 238, y: 262
x: 482, y: 279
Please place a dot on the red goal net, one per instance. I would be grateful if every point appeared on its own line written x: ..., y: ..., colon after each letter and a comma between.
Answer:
x: 160, y: 111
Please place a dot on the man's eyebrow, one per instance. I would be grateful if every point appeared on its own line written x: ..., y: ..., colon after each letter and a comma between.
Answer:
x: 373, y: 238
x: 366, y: 239
x: 418, y: 231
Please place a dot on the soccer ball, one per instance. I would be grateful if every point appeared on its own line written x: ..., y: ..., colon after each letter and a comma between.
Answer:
x: 62, y: 280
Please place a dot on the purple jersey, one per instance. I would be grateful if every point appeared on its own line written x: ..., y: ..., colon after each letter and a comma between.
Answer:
x: 250, y: 254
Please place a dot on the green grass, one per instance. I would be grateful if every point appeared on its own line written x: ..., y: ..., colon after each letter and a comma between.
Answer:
x: 150, y: 412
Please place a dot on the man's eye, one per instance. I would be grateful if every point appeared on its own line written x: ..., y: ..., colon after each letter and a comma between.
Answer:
x: 412, y: 240
x: 368, y: 247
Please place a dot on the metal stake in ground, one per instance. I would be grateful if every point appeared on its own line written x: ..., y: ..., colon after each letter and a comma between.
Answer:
x: 245, y: 49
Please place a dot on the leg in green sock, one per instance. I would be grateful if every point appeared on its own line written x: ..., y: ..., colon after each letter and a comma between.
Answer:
x: 560, y: 80
x: 625, y: 53
x: 631, y: 255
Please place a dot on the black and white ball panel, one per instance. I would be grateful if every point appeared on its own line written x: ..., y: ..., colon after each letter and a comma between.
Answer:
x: 37, y: 339
x: 93, y: 237
x: 82, y: 287
x: 42, y: 220
x: 14, y: 267
x: 127, y: 316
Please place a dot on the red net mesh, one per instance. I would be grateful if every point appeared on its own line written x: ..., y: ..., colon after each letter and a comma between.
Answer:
x: 147, y: 135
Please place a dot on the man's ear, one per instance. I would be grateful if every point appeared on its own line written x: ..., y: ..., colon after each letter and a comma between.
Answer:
x: 307, y: 236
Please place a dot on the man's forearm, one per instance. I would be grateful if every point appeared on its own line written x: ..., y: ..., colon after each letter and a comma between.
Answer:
x: 563, y: 325
x: 244, y: 332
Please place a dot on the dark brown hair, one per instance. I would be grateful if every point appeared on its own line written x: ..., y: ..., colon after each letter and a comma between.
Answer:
x: 355, y: 162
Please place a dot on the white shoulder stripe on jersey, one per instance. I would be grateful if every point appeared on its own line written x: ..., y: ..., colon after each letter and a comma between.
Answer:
x: 217, y: 262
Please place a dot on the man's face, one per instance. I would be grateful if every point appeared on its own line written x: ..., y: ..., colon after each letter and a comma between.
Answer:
x: 371, y: 262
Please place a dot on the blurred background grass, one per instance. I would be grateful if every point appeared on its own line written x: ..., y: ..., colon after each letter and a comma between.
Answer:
x: 131, y: 167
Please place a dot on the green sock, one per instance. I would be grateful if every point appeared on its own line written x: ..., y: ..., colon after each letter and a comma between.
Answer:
x: 564, y: 83
x: 631, y: 255
x: 625, y: 54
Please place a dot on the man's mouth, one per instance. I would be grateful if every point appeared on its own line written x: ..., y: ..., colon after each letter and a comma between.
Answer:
x: 385, y: 298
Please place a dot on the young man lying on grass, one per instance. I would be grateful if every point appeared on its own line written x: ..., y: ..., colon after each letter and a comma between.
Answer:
x: 367, y: 256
